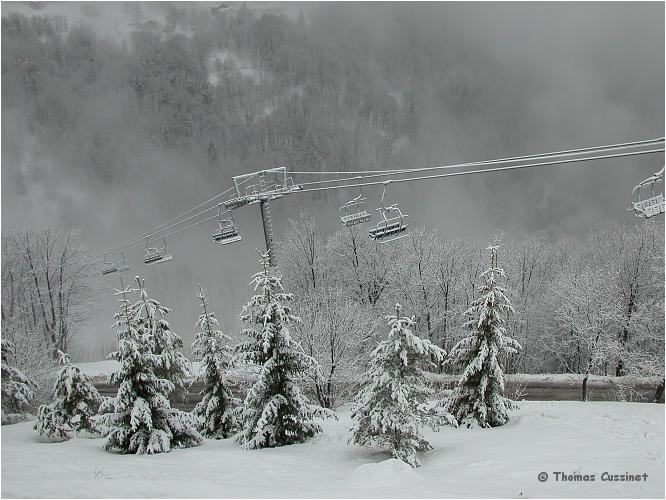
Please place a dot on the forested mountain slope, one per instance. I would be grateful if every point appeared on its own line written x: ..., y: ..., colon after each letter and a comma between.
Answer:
x: 235, y: 88
x: 240, y: 88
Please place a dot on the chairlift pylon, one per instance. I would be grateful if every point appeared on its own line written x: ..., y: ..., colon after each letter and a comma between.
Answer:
x: 353, y: 214
x: 654, y: 205
x: 227, y: 231
x: 277, y: 186
x: 155, y: 255
x: 389, y: 228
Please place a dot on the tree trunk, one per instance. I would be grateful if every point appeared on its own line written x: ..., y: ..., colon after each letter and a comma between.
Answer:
x: 585, y: 386
x: 659, y: 393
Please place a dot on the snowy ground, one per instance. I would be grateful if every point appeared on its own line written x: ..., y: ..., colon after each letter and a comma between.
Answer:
x: 569, y: 437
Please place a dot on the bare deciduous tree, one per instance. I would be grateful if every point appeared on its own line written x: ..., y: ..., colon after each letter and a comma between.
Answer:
x: 587, y: 316
x: 339, y: 333
x: 48, y: 284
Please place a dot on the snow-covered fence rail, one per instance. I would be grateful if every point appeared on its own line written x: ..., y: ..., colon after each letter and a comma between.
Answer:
x: 557, y: 387
x: 568, y: 387
x: 186, y: 403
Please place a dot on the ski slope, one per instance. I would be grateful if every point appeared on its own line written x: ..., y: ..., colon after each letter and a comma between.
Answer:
x: 570, y: 437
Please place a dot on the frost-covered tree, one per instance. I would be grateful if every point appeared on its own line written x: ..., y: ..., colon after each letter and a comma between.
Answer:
x: 140, y: 418
x: 172, y: 365
x: 215, y: 410
x: 17, y: 389
x: 528, y: 267
x: 48, y: 284
x: 394, y: 400
x: 478, y: 397
x: 74, y: 406
x: 340, y: 334
x: 275, y: 411
x: 588, y: 313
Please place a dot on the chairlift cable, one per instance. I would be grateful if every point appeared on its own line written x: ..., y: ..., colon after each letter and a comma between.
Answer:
x: 498, y: 169
x: 385, y: 173
x: 159, y: 229
x: 554, y: 153
x: 138, y: 245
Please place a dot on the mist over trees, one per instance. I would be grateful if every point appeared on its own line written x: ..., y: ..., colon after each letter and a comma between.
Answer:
x: 244, y: 88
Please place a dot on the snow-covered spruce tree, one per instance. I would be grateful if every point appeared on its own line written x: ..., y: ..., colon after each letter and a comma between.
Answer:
x: 394, y: 400
x: 275, y: 411
x: 17, y: 389
x: 478, y: 396
x: 173, y: 365
x: 215, y: 410
x: 75, y: 404
x: 140, y: 418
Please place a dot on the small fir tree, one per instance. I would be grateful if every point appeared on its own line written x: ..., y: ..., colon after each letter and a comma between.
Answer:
x: 172, y: 365
x: 275, y: 411
x: 394, y: 399
x: 17, y: 389
x: 478, y: 397
x: 140, y: 418
x: 75, y: 404
x: 215, y: 410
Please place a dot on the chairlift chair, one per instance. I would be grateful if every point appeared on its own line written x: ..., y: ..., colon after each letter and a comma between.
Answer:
x: 353, y: 214
x: 288, y: 185
x: 227, y: 231
x: 281, y: 186
x: 109, y: 267
x: 156, y: 256
x: 122, y: 264
x: 389, y: 228
x: 654, y: 205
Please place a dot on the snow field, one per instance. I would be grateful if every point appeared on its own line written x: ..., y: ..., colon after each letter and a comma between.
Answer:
x: 570, y: 437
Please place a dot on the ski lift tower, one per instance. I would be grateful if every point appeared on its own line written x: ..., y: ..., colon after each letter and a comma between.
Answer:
x: 272, y: 184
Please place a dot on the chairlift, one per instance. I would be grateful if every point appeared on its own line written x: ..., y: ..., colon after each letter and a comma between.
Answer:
x: 654, y: 205
x: 273, y: 184
x: 389, y: 228
x: 289, y: 186
x: 155, y: 255
x: 122, y: 263
x: 353, y: 213
x: 227, y: 231
x: 111, y: 267
x: 282, y: 185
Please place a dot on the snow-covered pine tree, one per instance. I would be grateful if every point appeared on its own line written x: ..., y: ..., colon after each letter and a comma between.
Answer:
x: 215, y: 410
x: 75, y: 403
x: 140, y: 418
x: 275, y: 411
x: 173, y: 365
x: 17, y: 389
x: 478, y: 396
x: 394, y: 400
